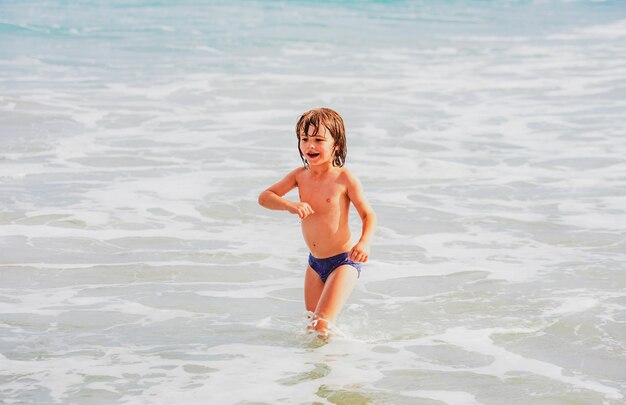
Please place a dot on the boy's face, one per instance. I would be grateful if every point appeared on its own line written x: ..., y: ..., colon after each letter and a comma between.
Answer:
x: 318, y: 148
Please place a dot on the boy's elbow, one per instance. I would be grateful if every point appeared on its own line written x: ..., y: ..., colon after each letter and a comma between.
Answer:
x: 262, y: 198
x: 374, y: 218
x: 370, y: 216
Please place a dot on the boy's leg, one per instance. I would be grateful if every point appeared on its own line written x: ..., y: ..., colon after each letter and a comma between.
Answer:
x: 336, y: 291
x: 313, y: 288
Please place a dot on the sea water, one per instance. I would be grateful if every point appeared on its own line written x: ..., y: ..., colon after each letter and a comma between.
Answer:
x: 136, y: 266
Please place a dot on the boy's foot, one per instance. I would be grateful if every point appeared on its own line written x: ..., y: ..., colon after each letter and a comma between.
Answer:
x: 322, y: 327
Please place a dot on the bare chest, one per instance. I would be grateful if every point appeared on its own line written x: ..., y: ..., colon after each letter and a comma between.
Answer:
x: 322, y: 196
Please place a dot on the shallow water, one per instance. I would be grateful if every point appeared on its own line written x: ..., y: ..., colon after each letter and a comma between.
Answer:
x: 137, y: 268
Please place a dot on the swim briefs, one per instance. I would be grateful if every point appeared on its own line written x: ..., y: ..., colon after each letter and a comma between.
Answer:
x: 323, y: 267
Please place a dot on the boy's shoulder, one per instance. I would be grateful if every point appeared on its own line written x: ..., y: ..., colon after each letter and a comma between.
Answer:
x: 350, y: 180
x: 298, y: 171
x: 346, y: 174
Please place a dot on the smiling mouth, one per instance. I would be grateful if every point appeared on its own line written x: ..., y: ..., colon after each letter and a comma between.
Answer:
x: 312, y: 155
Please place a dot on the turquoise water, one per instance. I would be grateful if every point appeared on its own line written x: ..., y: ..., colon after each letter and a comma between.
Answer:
x: 137, y: 268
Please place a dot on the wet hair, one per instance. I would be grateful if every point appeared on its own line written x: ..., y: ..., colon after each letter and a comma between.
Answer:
x: 333, y: 122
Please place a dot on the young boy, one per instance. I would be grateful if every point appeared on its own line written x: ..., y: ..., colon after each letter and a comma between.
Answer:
x: 326, y: 189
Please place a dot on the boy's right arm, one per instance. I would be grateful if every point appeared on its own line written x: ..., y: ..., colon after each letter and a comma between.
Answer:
x: 272, y: 197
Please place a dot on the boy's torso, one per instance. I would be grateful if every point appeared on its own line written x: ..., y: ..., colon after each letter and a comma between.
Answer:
x: 326, y: 231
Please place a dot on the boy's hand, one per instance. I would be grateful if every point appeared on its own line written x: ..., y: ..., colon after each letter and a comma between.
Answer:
x: 301, y: 209
x: 360, y: 252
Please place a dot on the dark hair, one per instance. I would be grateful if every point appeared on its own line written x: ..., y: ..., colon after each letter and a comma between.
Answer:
x: 333, y: 122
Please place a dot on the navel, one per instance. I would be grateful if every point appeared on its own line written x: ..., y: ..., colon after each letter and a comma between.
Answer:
x: 328, y: 200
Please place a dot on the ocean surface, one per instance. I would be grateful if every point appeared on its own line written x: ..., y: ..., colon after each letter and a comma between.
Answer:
x: 136, y: 266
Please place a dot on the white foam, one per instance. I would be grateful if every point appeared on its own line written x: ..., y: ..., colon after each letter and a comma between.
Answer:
x: 505, y: 362
x: 573, y: 305
x: 448, y: 397
x: 256, y: 289
x: 609, y: 31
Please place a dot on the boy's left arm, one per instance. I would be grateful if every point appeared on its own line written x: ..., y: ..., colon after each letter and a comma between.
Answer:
x: 361, y: 251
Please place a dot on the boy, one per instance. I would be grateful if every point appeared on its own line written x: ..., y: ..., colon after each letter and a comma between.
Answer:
x: 326, y: 189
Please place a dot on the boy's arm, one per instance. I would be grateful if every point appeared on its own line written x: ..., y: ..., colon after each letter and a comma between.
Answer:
x: 361, y: 251
x: 272, y: 197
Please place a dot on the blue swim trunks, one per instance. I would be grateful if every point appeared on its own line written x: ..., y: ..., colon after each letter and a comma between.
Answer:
x: 323, y: 267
